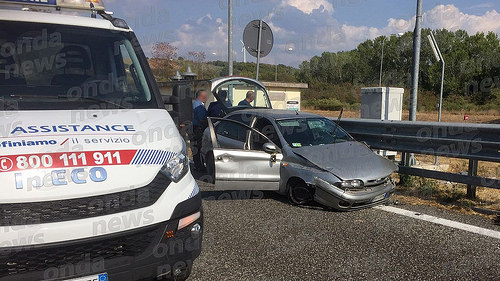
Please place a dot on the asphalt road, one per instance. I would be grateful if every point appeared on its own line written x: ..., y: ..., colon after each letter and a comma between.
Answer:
x: 262, y: 237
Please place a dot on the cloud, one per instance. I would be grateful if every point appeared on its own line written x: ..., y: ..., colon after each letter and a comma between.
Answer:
x: 311, y: 35
x: 207, y: 34
x: 451, y: 18
x: 482, y: 6
x: 308, y: 6
x: 309, y: 27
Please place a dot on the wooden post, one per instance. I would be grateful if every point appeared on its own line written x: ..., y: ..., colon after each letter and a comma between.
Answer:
x: 471, y: 189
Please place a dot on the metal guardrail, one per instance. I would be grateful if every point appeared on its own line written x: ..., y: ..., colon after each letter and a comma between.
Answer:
x: 475, y: 142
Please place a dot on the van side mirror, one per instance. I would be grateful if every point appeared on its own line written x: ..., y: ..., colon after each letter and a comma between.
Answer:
x: 270, y: 148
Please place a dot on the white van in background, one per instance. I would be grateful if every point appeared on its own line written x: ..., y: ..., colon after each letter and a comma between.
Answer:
x: 94, y: 176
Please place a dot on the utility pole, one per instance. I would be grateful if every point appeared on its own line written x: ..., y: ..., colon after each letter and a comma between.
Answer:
x: 417, y: 40
x: 230, y: 37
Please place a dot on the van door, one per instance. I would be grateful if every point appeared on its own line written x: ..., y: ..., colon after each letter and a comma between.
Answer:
x: 245, y: 168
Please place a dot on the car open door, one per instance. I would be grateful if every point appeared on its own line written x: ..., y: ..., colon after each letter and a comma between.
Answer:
x: 245, y: 169
x: 230, y: 91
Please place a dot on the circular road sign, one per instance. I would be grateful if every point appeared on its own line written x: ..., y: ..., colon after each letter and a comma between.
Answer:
x: 251, y: 38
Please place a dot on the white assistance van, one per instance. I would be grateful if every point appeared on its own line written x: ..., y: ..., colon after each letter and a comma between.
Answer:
x: 94, y: 177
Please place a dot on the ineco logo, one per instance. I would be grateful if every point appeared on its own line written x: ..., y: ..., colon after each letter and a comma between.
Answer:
x: 5, y: 164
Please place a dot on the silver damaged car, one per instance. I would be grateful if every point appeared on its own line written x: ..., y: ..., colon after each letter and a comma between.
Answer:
x: 301, y: 155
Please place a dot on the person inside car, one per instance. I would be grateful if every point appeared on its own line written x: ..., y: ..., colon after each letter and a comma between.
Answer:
x: 216, y: 109
x: 247, y: 102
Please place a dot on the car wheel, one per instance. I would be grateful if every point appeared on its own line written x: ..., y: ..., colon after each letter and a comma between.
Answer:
x: 210, y: 164
x: 299, y: 193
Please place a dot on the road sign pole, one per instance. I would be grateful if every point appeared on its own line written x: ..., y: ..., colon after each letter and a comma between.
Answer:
x: 258, y: 49
x: 258, y: 40
x: 381, y: 62
x: 439, y: 57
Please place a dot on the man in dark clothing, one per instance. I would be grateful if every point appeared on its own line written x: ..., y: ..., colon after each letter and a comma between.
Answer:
x: 199, y: 126
x: 216, y: 109
x: 247, y: 102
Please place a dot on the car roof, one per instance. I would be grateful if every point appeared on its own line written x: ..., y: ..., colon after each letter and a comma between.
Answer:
x: 277, y: 114
x: 55, y: 18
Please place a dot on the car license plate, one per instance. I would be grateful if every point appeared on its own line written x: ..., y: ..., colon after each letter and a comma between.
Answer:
x: 97, y: 277
x: 379, y: 197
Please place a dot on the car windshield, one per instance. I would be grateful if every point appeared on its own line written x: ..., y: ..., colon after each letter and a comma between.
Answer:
x: 311, y: 132
x: 46, y: 66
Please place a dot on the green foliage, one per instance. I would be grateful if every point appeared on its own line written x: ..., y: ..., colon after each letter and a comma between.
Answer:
x: 406, y: 180
x: 267, y: 72
x: 332, y: 104
x: 472, y: 72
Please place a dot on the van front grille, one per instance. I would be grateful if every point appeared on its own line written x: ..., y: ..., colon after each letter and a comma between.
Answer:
x: 68, y: 257
x: 82, y: 208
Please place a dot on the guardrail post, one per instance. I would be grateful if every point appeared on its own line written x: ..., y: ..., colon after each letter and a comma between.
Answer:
x: 471, y: 189
x: 403, y: 158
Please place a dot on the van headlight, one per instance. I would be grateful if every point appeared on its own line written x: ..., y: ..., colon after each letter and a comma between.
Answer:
x: 177, y: 167
x: 350, y: 184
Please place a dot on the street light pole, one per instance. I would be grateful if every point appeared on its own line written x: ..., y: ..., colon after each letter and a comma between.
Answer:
x: 417, y: 39
x: 230, y: 37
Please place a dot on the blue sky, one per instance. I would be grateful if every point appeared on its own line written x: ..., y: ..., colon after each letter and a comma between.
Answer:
x: 309, y: 27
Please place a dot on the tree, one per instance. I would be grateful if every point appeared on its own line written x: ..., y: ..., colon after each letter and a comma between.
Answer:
x: 163, y: 63
x: 198, y: 58
x: 472, y: 65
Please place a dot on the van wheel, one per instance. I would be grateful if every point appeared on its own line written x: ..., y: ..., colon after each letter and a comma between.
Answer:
x: 299, y: 193
x: 210, y: 164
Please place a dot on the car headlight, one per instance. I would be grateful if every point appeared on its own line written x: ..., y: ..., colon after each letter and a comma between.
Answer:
x: 350, y: 184
x: 177, y: 167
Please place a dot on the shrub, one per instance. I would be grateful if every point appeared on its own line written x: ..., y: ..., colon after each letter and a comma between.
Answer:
x: 325, y: 104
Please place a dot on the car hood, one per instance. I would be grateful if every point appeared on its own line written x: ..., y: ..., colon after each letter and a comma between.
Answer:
x: 348, y: 160
x: 57, y: 155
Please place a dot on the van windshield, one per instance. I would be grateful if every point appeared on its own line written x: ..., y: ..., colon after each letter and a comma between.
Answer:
x: 51, y: 67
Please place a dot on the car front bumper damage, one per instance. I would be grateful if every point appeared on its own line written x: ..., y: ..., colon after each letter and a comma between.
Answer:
x: 345, y: 200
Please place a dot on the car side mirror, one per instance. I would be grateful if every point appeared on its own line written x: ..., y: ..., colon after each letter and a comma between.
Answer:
x: 270, y: 148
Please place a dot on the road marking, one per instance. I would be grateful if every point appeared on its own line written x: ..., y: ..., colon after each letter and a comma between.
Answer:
x: 441, y: 221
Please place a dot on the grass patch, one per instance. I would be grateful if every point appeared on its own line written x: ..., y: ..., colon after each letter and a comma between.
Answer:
x: 435, y: 190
